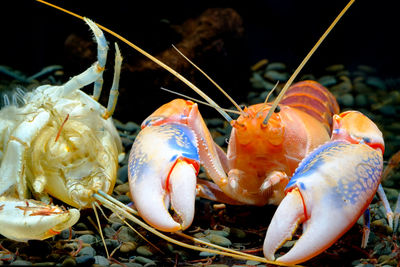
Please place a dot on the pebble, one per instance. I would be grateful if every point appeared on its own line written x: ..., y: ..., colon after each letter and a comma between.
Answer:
x: 122, y: 174
x: 122, y: 189
x: 80, y: 226
x: 252, y: 263
x: 127, y: 247
x: 109, y: 232
x: 219, y: 240
x: 21, y: 263
x: 206, y: 254
x: 127, y: 235
x: 361, y: 100
x: 85, y: 260
x: 133, y: 264
x: 275, y: 76
x: 144, y: 260
x: 68, y: 262
x: 116, y: 225
x: 88, y: 239
x: 376, y: 82
x: 144, y: 251
x: 101, y: 260
x: 276, y: 66
x: 124, y: 199
x: 224, y: 233
x: 327, y: 80
x: 238, y: 233
x: 335, y: 68
x: 87, y: 251
x: 346, y: 100
x: 67, y: 233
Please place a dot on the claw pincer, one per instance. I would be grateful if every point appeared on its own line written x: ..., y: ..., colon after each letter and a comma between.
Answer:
x: 330, y: 190
x: 163, y: 165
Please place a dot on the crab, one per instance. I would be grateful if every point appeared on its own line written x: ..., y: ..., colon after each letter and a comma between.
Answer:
x: 57, y: 141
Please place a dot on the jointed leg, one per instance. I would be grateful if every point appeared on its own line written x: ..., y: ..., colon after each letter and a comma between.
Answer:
x: 112, y: 100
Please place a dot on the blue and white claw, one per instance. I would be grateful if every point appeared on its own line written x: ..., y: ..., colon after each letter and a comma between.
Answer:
x: 163, y: 165
x: 329, y: 191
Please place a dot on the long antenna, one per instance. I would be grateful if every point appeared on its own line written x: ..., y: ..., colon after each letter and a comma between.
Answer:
x: 165, y: 66
x: 305, y: 60
x: 211, y: 80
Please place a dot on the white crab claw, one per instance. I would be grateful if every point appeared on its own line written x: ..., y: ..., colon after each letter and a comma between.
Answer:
x: 162, y: 172
x: 24, y: 220
x: 329, y: 191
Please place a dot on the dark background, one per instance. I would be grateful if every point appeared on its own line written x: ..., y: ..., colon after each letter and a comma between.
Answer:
x: 33, y: 36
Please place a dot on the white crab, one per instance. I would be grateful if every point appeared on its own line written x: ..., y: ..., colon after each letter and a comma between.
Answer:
x: 62, y: 143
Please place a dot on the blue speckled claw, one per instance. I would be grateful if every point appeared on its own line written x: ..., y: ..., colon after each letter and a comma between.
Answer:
x: 330, y: 190
x: 163, y: 165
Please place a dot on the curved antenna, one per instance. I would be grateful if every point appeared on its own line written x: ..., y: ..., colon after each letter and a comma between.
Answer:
x: 152, y: 58
x: 211, y: 80
x: 266, y: 100
x: 305, y: 60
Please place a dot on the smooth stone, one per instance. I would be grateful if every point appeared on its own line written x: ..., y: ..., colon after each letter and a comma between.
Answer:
x: 122, y: 189
x: 126, y: 142
x: 219, y: 240
x: 144, y: 251
x: 335, y: 68
x: 258, y: 82
x: 366, y: 68
x: 217, y: 232
x: 206, y: 254
x: 133, y: 264
x: 122, y: 173
x: 124, y: 199
x: 252, y: 263
x: 132, y: 126
x: 112, y: 243
x: 101, y: 260
x: 21, y: 263
x: 85, y: 260
x: 67, y: 233
x: 144, y: 260
x: 361, y: 100
x: 116, y: 225
x: 88, y: 239
x: 87, y: 251
x: 376, y: 82
x: 109, y: 232
x: 238, y: 233
x: 46, y: 263
x: 347, y: 100
x: 327, y: 80
x: 127, y: 235
x: 127, y: 247
x: 68, y: 262
x: 274, y: 76
x: 80, y: 226
x: 276, y: 66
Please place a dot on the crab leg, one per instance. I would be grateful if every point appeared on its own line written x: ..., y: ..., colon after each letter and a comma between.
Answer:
x: 329, y: 191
